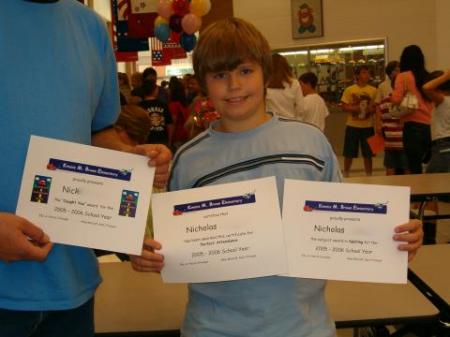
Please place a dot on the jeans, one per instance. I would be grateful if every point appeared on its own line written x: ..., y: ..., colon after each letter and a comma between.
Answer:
x: 78, y: 322
x: 416, y: 143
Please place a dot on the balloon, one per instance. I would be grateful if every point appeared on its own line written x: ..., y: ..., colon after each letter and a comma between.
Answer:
x: 191, y: 23
x: 161, y: 21
x: 175, y: 23
x: 188, y: 41
x: 200, y: 7
x: 180, y: 7
x: 165, y: 8
x: 162, y: 32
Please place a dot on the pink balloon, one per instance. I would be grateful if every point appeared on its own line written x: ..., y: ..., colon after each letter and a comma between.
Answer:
x: 165, y: 8
x: 191, y: 23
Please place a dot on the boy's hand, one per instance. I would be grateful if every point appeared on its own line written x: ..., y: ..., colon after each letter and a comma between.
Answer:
x: 21, y: 240
x: 148, y: 261
x: 412, y: 234
x: 159, y: 157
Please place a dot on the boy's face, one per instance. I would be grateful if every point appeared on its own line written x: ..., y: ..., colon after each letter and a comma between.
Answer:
x: 238, y: 95
x: 363, y: 77
x: 306, y: 87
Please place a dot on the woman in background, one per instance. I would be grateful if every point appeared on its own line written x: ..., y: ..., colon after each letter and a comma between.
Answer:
x: 416, y: 124
x: 284, y: 95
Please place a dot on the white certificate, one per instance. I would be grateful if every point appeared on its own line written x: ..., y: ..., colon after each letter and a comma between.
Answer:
x: 219, y: 233
x: 86, y: 196
x: 344, y: 231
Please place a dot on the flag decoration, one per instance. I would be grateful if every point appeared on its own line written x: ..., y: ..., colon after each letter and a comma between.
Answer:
x: 122, y: 42
x: 174, y: 50
x: 160, y: 57
x: 141, y: 19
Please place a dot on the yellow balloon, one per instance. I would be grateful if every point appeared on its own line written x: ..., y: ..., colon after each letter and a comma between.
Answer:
x: 160, y: 20
x: 198, y: 7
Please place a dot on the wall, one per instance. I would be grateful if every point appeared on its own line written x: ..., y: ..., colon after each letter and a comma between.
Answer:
x: 403, y: 22
x: 442, y: 34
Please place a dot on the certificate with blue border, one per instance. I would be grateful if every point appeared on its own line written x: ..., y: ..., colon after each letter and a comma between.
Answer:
x: 219, y: 233
x: 86, y: 196
x: 341, y: 231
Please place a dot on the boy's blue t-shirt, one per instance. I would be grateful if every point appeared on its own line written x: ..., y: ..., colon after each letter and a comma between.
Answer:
x: 59, y: 80
x: 266, y: 306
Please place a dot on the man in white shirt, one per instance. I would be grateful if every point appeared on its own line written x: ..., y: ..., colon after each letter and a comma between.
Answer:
x: 314, y: 108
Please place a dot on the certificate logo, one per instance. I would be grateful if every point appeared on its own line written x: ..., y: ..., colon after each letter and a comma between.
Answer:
x: 105, y: 172
x: 248, y: 198
x: 41, y: 189
x: 128, y: 203
x: 334, y: 206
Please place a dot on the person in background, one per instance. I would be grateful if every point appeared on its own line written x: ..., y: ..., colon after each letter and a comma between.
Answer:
x: 124, y: 87
x: 179, y: 112
x: 284, y: 95
x: 47, y: 289
x: 150, y: 75
x: 314, y: 108
x: 416, y: 125
x: 193, y: 89
x: 388, y: 125
x: 136, y: 80
x: 161, y: 125
x: 438, y: 91
x: 233, y: 63
x: 358, y: 101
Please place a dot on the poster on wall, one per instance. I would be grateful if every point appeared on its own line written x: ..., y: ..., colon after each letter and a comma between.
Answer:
x: 306, y: 18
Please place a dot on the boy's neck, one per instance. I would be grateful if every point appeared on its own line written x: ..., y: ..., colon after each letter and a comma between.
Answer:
x: 309, y: 92
x: 361, y: 84
x: 230, y: 126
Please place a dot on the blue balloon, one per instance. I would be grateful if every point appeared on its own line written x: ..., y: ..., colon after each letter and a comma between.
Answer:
x: 188, y: 41
x: 162, y: 32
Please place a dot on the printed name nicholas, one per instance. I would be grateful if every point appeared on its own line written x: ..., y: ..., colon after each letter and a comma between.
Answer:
x: 335, y: 229
x: 200, y: 228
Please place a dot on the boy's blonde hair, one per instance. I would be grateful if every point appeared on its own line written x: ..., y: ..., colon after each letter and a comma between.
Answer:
x: 227, y: 43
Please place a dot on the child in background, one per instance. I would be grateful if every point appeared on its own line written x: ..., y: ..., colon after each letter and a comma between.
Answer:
x: 314, y: 108
x: 438, y: 91
x: 358, y: 101
x: 232, y: 61
x: 133, y: 125
x: 389, y: 126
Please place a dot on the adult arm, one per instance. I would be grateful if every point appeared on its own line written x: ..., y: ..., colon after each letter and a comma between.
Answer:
x: 430, y: 88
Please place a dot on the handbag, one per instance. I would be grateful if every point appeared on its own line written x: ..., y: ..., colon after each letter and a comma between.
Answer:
x: 408, y: 105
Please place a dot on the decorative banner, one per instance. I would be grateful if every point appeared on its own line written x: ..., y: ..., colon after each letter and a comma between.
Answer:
x: 141, y: 20
x: 174, y: 50
x: 159, y: 56
x: 120, y: 12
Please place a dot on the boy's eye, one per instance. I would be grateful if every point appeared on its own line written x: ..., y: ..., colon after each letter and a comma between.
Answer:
x: 246, y: 71
x: 220, y: 76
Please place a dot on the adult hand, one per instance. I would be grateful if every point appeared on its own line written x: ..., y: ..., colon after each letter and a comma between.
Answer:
x: 21, y: 240
x: 148, y: 261
x: 412, y: 234
x: 159, y: 157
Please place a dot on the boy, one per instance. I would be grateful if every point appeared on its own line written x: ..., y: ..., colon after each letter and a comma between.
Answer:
x: 247, y: 143
x: 314, y: 108
x: 358, y: 100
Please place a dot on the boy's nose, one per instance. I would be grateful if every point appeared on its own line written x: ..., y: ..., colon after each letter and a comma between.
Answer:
x: 233, y: 81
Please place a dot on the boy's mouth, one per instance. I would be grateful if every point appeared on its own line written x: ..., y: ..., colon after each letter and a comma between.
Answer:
x: 235, y: 100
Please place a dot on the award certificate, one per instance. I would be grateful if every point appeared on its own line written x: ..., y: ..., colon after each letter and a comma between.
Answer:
x: 86, y: 196
x: 344, y: 231
x: 219, y: 233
